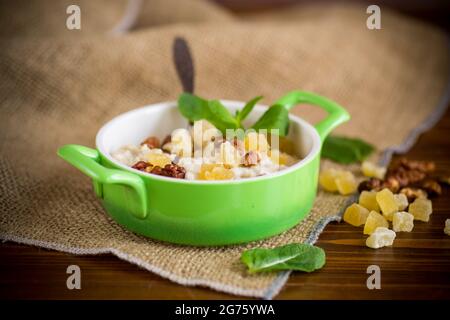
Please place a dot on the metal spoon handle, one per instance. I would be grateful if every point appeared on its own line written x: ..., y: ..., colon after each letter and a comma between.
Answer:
x: 184, y: 65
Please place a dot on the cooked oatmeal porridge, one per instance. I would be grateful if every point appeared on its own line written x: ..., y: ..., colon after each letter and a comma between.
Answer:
x: 202, y: 153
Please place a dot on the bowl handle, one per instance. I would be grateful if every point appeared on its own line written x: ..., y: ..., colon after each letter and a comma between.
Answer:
x: 87, y: 161
x: 336, y: 114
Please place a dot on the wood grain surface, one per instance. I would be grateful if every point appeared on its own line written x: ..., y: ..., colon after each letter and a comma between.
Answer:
x: 416, y: 267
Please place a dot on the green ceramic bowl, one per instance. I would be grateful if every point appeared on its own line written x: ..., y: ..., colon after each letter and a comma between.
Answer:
x: 204, y: 212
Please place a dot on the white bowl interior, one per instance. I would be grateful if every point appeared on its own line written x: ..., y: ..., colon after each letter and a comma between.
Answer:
x: 161, y: 119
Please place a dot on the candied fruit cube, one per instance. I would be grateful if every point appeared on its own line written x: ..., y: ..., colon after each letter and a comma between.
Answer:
x: 220, y: 173
x: 337, y: 180
x: 387, y: 203
x: 256, y: 142
x: 285, y: 145
x: 374, y: 220
x: 381, y: 237
x: 346, y: 183
x: 356, y: 215
x: 158, y: 159
x: 447, y: 227
x: 403, y: 221
x: 286, y: 159
x: 281, y: 158
x: 402, y: 201
x: 205, y: 167
x: 371, y: 170
x: 368, y: 199
x: 421, y: 209
x: 327, y: 179
x: 214, y: 172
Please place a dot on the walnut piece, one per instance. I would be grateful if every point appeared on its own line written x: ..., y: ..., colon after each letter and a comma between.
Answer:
x: 432, y: 187
x: 167, y: 139
x: 444, y: 179
x: 405, y: 176
x: 407, y: 164
x: 371, y: 184
x: 251, y: 158
x: 170, y: 170
x: 141, y: 165
x: 404, y: 173
x: 165, y: 145
x: 413, y: 193
x: 151, y: 142
x: 392, y: 184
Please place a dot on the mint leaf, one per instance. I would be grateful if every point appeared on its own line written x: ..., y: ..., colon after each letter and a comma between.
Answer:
x: 295, y: 256
x: 195, y: 108
x: 220, y: 117
x: 276, y: 117
x: 346, y: 150
x: 192, y: 107
x: 241, y: 115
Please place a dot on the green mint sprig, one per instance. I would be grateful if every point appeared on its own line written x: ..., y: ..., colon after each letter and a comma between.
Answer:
x: 195, y: 108
x: 346, y: 150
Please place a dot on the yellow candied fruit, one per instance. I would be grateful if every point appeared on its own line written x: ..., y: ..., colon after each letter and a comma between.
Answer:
x: 158, y: 159
x: 333, y: 180
x: 286, y: 145
x: 281, y: 158
x: 381, y: 237
x: 356, y: 215
x: 402, y: 201
x: 447, y: 227
x: 256, y: 142
x: 374, y: 220
x: 346, y: 183
x: 214, y: 172
x: 403, y: 221
x: 368, y: 199
x: 327, y: 179
x: 421, y: 209
x: 371, y: 170
x: 387, y: 203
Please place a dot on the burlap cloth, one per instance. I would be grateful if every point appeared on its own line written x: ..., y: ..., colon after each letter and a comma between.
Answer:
x: 59, y: 86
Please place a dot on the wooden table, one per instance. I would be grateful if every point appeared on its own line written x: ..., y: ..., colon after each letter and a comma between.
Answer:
x: 417, y: 267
